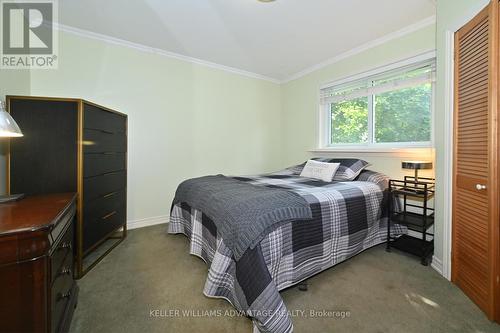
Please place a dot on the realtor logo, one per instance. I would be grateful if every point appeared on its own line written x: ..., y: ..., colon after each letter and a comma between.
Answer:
x: 28, y: 36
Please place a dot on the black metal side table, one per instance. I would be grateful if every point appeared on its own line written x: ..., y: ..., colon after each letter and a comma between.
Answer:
x: 415, y: 214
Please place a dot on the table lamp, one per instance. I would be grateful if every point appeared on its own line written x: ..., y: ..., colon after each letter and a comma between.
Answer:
x: 416, y: 165
x: 8, y: 126
x: 8, y: 129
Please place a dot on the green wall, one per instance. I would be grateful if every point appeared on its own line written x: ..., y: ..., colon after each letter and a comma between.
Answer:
x: 185, y: 120
x: 300, y: 101
x: 12, y: 82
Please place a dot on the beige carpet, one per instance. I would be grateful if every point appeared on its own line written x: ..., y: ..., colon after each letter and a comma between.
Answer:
x: 376, y: 291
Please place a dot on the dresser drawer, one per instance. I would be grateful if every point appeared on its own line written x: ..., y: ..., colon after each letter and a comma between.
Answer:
x: 65, y: 221
x: 62, y: 269
x: 98, y: 141
x: 101, y: 206
x: 96, y: 118
x: 63, y: 251
x: 96, y: 229
x: 98, y: 164
x: 105, y: 184
x: 60, y: 297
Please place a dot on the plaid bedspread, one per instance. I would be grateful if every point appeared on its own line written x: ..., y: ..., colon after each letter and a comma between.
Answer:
x: 348, y: 217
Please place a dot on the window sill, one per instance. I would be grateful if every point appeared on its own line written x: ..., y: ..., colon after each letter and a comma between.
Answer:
x: 381, y: 151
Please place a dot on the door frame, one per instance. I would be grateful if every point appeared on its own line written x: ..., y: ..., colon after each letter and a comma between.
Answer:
x: 449, y: 96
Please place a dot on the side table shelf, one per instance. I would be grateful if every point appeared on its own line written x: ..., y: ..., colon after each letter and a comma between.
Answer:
x: 420, y: 219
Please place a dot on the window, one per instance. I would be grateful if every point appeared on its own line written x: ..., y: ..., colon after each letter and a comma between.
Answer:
x: 391, y: 108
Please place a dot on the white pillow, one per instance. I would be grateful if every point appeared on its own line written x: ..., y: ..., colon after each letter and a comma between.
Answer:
x: 320, y: 170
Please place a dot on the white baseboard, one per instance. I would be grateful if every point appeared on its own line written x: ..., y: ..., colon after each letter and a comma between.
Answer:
x: 437, y: 265
x: 147, y: 222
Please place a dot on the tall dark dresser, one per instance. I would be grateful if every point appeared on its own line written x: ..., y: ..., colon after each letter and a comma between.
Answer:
x: 73, y: 145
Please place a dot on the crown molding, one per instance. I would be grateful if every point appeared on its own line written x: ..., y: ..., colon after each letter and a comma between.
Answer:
x: 359, y: 49
x: 143, y: 48
x: 173, y: 55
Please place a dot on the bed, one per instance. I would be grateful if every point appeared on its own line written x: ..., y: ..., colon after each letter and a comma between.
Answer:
x: 347, y: 218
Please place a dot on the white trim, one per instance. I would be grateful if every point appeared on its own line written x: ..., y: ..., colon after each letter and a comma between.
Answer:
x: 387, y: 67
x: 324, y: 128
x: 395, y: 152
x: 437, y: 265
x: 147, y: 222
x: 173, y: 55
x: 376, y: 42
x: 371, y: 121
x: 433, y: 107
x: 324, y: 142
x: 377, y: 147
x: 334, y: 94
x: 448, y: 153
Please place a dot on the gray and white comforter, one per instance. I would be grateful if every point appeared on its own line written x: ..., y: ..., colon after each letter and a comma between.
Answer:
x: 347, y: 218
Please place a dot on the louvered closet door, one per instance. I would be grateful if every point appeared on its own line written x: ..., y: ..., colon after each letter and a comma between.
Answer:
x: 473, y: 247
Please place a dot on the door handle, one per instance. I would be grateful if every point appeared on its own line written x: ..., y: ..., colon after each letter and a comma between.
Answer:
x: 480, y: 187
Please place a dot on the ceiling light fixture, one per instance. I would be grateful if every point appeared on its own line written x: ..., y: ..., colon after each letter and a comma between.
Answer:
x: 266, y: 0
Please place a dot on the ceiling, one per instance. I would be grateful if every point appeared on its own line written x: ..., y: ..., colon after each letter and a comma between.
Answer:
x: 276, y: 39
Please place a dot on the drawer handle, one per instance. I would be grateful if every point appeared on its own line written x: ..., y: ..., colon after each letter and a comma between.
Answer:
x: 111, y: 173
x: 109, y: 194
x: 64, y: 295
x: 65, y: 271
x: 65, y: 245
x: 107, y: 216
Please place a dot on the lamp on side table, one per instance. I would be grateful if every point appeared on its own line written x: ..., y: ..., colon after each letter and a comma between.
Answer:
x: 416, y: 165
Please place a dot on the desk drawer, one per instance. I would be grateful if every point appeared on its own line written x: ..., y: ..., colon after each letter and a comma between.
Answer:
x: 97, y: 118
x: 102, y: 185
x: 100, y: 141
x: 98, y: 164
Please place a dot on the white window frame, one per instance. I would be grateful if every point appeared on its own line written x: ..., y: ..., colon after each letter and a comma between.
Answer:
x: 325, y: 112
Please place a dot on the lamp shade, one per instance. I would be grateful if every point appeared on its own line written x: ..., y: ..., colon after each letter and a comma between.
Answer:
x: 8, y: 126
x: 416, y: 165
